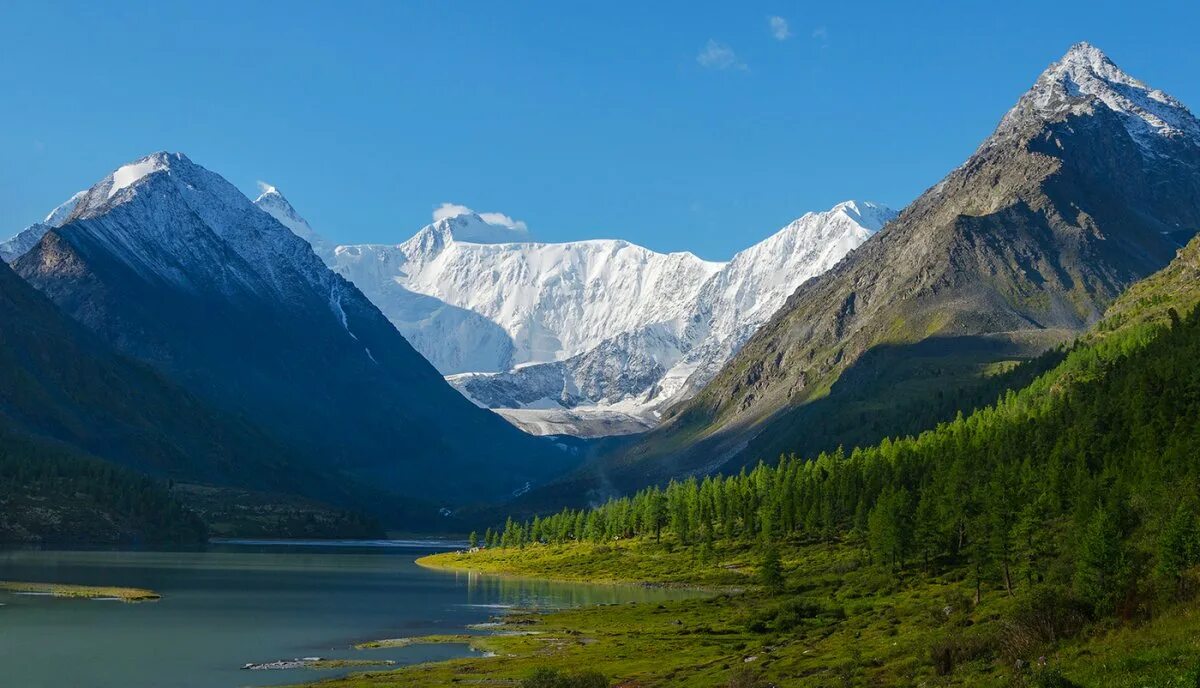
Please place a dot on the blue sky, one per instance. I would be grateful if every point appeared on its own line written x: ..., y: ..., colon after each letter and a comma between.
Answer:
x: 678, y: 125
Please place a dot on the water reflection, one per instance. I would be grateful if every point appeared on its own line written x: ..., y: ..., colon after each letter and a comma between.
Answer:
x: 484, y: 589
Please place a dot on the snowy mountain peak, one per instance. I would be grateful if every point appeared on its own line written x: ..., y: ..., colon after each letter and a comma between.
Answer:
x: 20, y: 244
x: 872, y: 216
x: 59, y: 215
x: 460, y: 223
x: 278, y: 207
x: 173, y: 221
x: 122, y: 183
x: 1085, y: 78
x: 594, y: 336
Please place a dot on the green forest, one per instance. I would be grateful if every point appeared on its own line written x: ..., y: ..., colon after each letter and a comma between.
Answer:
x: 1084, y: 485
x: 47, y: 491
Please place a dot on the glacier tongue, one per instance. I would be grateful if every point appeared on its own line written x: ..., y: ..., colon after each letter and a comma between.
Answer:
x: 587, y: 337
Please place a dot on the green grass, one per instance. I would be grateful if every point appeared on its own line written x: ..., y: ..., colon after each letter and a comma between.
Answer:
x: 417, y: 640
x: 81, y: 591
x: 621, y: 561
x: 840, y: 622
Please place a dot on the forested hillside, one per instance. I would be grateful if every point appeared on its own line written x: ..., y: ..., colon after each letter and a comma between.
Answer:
x: 52, y: 493
x: 1082, y: 488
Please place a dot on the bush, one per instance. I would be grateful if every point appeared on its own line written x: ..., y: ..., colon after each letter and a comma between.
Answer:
x: 1044, y: 617
x: 960, y: 647
x: 787, y: 615
x: 553, y: 678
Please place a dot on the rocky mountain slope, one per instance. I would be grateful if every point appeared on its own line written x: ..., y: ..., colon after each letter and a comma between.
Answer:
x: 587, y: 337
x: 172, y: 265
x: 72, y: 410
x: 1089, y: 183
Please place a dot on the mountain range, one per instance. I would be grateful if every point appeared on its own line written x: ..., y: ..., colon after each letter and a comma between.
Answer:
x: 169, y: 264
x: 236, y: 347
x: 585, y: 338
x: 1089, y: 183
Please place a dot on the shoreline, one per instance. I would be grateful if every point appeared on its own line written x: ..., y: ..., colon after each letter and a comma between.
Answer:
x: 430, y: 562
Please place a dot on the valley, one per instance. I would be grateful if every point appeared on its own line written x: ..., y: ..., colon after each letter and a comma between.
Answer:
x: 954, y: 444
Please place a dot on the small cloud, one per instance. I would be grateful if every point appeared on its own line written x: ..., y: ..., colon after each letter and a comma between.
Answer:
x: 264, y: 187
x: 505, y: 228
x: 821, y: 35
x: 448, y: 210
x: 504, y: 221
x: 779, y: 28
x: 719, y: 56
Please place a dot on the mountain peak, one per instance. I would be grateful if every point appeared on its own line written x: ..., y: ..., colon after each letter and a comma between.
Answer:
x: 472, y: 228
x: 121, y: 184
x: 272, y: 202
x: 1086, y: 52
x: 872, y: 216
x: 463, y: 224
x: 1085, y: 79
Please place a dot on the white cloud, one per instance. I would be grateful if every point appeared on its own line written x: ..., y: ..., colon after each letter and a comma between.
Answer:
x: 505, y: 221
x: 719, y: 56
x: 264, y: 187
x: 506, y: 228
x: 821, y: 34
x: 779, y: 28
x: 448, y: 210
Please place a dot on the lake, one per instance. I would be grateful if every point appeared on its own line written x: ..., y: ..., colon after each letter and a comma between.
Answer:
x: 237, y: 603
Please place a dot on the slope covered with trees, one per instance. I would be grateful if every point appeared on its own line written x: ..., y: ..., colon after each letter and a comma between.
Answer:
x: 1086, y: 481
x: 51, y: 493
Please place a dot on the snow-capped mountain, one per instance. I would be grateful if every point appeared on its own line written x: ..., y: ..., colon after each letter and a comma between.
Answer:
x: 20, y: 244
x: 623, y: 381
x: 278, y: 207
x: 1085, y: 80
x: 552, y: 301
x: 586, y: 337
x: 1089, y: 183
x: 171, y: 264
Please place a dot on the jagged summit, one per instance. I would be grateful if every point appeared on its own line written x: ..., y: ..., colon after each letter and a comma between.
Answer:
x: 121, y: 183
x: 1085, y: 78
x: 865, y: 213
x: 475, y: 228
x: 278, y: 207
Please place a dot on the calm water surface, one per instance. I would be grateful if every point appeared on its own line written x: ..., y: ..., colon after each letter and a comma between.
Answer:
x: 239, y: 603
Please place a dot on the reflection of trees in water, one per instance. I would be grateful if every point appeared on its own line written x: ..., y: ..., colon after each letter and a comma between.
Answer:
x: 489, y: 589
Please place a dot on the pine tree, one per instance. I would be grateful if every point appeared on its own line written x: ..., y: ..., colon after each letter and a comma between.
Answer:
x: 1177, y: 546
x: 770, y: 569
x: 1102, y: 564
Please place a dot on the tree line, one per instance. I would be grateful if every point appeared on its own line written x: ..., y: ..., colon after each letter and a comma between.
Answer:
x: 60, y: 479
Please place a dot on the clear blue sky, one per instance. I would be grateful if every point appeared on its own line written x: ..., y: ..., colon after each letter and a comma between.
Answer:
x: 597, y: 120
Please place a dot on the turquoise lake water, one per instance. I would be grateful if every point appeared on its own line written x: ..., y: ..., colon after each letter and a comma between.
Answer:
x: 234, y: 604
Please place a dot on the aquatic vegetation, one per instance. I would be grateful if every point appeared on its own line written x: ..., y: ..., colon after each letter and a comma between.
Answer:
x: 91, y: 592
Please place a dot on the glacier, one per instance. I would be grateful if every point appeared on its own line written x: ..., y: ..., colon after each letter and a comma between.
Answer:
x: 585, y: 338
